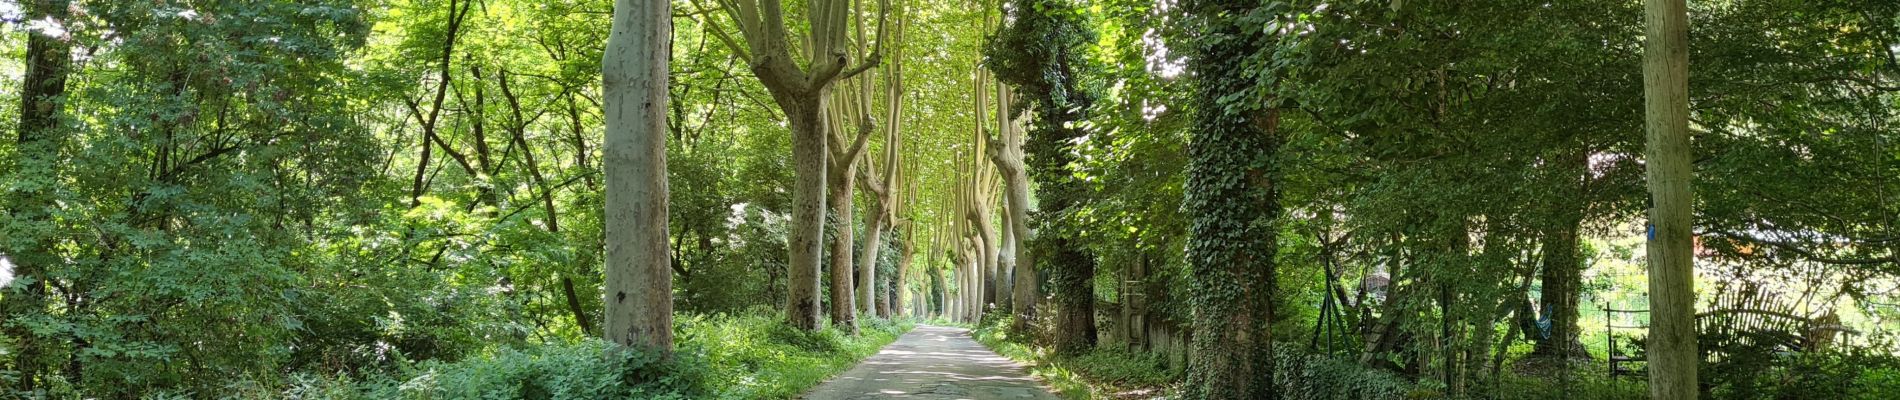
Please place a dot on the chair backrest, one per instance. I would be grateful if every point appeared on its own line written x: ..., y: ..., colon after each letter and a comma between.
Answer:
x: 1748, y: 317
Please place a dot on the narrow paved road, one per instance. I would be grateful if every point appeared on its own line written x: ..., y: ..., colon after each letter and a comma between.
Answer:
x: 933, y: 362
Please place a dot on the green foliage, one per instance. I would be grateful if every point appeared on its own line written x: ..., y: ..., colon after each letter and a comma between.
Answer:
x: 1299, y: 375
x: 744, y: 356
x: 1833, y: 374
x: 583, y: 370
x: 1125, y: 368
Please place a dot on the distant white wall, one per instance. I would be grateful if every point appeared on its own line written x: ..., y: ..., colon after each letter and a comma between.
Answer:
x: 6, y: 270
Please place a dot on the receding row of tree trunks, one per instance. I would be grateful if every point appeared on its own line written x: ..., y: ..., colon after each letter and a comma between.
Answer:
x: 803, y: 90
x: 975, y: 245
x: 975, y: 242
x: 883, y: 186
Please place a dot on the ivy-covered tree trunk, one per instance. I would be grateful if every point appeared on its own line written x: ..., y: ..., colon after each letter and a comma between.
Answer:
x: 1233, y: 198
x: 634, y: 96
x: 1072, y: 277
x: 1042, y: 52
x: 1672, y: 351
x: 48, y: 62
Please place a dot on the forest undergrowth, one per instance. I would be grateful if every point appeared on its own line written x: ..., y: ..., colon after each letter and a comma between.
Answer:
x: 751, y: 355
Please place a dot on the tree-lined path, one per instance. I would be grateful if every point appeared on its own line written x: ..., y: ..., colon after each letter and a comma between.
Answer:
x: 746, y: 199
x: 933, y: 362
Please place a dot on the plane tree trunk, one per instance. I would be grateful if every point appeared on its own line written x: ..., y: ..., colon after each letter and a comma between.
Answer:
x: 803, y: 92
x: 639, y: 280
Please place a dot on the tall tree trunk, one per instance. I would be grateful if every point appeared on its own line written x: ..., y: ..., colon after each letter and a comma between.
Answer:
x: 987, y: 257
x: 1008, y: 157
x: 1062, y: 102
x: 639, y: 293
x: 961, y: 274
x: 867, y: 259
x: 1672, y: 353
x: 1672, y: 341
x: 1563, y: 261
x: 1005, y: 264
x: 881, y: 185
x: 843, y: 308
x: 1072, y: 274
x: 1232, y: 241
x: 1010, y: 245
x: 973, y: 274
x: 801, y: 89
x: 953, y: 307
x: 48, y: 62
x: 942, y: 292
x: 809, y: 156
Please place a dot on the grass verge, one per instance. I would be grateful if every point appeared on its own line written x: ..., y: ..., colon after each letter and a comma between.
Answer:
x: 1098, y: 374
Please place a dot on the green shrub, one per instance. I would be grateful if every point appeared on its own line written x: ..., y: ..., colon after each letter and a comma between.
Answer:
x: 1303, y: 375
x: 748, y: 356
x: 1855, y: 373
x: 1123, y: 367
x: 581, y: 370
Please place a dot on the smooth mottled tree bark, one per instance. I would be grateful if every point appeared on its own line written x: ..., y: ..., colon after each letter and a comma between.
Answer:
x: 978, y: 197
x: 867, y: 257
x: 1005, y: 262
x: 899, y: 298
x: 843, y: 286
x: 1233, y: 197
x: 881, y: 185
x: 1007, y: 153
x: 1672, y: 342
x: 986, y: 255
x: 48, y: 62
x: 634, y: 97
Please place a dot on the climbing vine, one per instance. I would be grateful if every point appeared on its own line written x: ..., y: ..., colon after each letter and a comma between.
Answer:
x: 1042, y: 50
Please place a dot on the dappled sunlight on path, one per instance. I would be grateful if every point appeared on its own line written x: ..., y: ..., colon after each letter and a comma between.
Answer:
x: 933, y: 362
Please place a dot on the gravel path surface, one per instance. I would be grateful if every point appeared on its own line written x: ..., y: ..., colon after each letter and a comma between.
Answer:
x: 933, y: 362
